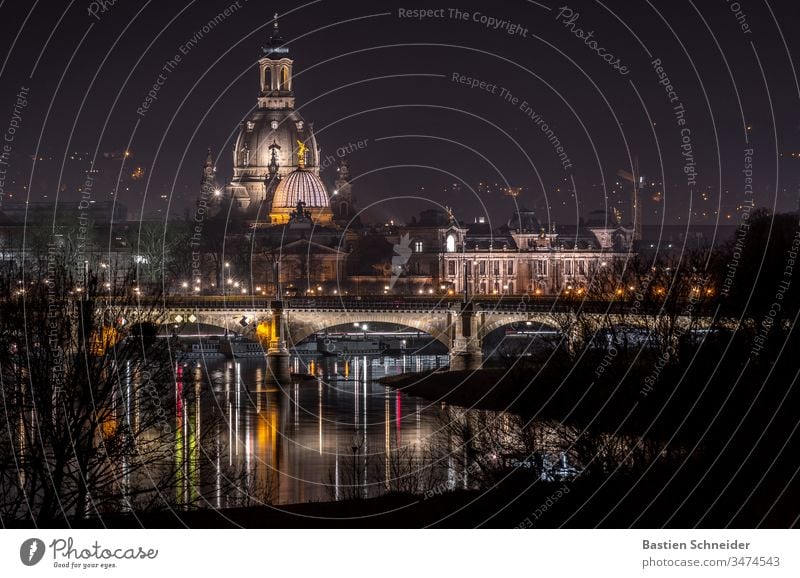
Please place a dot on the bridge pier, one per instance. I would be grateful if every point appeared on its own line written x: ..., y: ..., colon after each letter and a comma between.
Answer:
x: 465, y: 351
x: 277, y: 352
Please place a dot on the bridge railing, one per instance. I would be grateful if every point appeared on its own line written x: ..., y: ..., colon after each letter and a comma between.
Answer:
x: 502, y: 303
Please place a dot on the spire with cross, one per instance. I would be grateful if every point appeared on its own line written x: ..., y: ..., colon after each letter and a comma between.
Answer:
x: 275, y: 41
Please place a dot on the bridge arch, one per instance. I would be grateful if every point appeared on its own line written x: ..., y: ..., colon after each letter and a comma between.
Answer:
x: 494, y: 321
x: 302, y: 324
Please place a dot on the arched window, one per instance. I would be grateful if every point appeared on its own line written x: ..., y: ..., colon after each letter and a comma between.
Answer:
x: 284, y: 78
x: 451, y: 243
x: 267, y: 78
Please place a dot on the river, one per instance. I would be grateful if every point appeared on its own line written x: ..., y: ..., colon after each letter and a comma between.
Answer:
x: 318, y: 439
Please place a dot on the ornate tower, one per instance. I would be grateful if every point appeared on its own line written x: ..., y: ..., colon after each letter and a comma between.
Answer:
x: 342, y: 200
x: 210, y: 195
x: 275, y: 72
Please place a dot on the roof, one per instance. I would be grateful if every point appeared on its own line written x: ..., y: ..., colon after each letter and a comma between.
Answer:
x: 300, y: 185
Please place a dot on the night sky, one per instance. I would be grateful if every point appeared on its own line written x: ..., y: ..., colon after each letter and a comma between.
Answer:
x: 364, y: 73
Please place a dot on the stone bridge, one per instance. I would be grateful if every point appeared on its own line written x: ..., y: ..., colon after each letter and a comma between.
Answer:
x: 459, y: 325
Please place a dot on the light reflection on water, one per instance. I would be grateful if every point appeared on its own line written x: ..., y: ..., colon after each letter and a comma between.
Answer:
x: 311, y: 440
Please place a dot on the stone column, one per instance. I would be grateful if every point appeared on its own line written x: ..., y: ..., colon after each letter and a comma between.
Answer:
x: 277, y: 353
x: 465, y: 351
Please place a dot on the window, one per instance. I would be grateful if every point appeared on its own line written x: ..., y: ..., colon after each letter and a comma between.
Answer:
x: 482, y: 268
x: 284, y: 79
x: 541, y: 267
x: 582, y: 267
x: 496, y: 268
x: 268, y: 79
x: 451, y: 243
x: 568, y: 267
x: 451, y: 267
x: 418, y: 246
x: 510, y: 269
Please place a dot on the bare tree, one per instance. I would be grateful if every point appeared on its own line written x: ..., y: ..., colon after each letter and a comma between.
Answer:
x: 88, y: 393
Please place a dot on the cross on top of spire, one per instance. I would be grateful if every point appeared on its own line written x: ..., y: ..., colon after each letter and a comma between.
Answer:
x: 275, y: 41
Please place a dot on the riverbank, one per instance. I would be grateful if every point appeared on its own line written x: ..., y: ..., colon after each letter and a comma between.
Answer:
x: 514, y: 503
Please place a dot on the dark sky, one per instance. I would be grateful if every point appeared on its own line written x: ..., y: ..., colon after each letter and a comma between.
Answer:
x: 363, y: 73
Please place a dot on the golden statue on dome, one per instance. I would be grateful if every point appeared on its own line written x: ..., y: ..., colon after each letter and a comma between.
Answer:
x: 301, y: 154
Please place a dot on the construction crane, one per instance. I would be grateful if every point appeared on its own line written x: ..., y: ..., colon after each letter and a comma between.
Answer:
x: 635, y: 179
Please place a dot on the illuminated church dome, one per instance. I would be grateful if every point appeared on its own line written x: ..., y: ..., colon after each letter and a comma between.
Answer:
x: 266, y: 144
